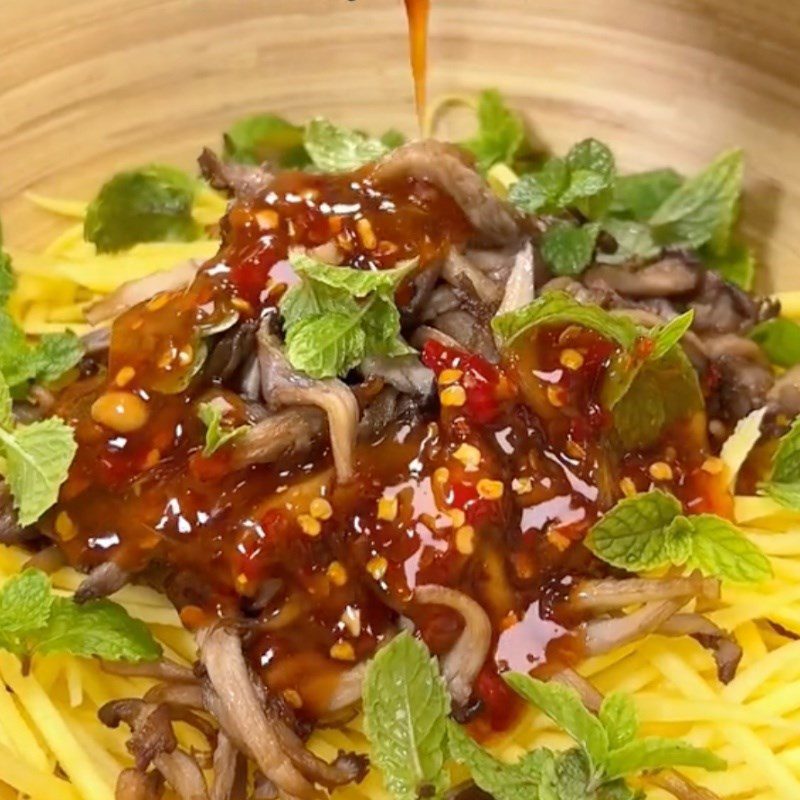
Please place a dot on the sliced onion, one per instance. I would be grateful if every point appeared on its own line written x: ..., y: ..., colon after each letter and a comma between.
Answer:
x: 462, y: 664
x: 611, y: 593
x: 604, y: 635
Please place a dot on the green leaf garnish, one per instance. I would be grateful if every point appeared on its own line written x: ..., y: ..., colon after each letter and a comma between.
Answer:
x: 666, y: 336
x: 555, y: 308
x: 405, y: 714
x: 37, y: 459
x: 638, y: 196
x: 34, y: 620
x: 619, y: 718
x: 648, y: 531
x: 568, y: 248
x: 736, y: 265
x: 779, y: 338
x: 335, y: 149
x: 217, y: 436
x: 337, y: 316
x: 267, y: 138
x: 703, y: 208
x: 654, y: 752
x: 518, y: 781
x: 563, y: 705
x: 150, y: 204
x: 634, y: 240
x: 783, y: 485
x: 8, y: 280
x: 501, y: 132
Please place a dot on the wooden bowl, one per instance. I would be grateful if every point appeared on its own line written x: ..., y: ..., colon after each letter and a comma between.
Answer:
x: 91, y: 86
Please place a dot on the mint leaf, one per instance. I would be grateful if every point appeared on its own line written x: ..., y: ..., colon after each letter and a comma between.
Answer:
x: 657, y: 753
x: 150, y: 204
x: 530, y: 194
x: 783, y: 485
x: 405, y: 714
x: 634, y: 535
x: 563, y: 705
x: 639, y: 196
x: 619, y: 790
x: 554, y: 308
x: 25, y: 602
x: 568, y: 248
x: 6, y: 405
x: 15, y: 353
x: 311, y: 298
x: 99, y: 628
x: 326, y: 346
x: 634, y: 241
x: 663, y: 391
x: 666, y: 336
x: 619, y: 718
x: 592, y: 156
x: 381, y: 325
x: 393, y: 138
x: 518, y: 781
x: 328, y: 331
x: 335, y: 149
x: 266, y: 137
x: 736, y: 265
x: 211, y: 416
x: 55, y: 354
x: 37, y: 460
x: 703, y: 208
x: 592, y: 175
x: 573, y: 775
x: 779, y: 338
x: 356, y: 282
x: 500, y: 132
x: 719, y: 549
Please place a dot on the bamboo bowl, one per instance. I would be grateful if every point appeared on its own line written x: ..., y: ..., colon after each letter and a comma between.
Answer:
x: 92, y: 86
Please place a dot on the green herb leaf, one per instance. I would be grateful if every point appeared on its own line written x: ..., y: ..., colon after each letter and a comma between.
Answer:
x: 736, y: 265
x: 99, y: 628
x: 619, y: 718
x: 6, y: 405
x: 37, y: 460
x: 32, y: 620
x: 563, y: 705
x: 529, y: 193
x: 310, y: 298
x: 592, y: 175
x: 640, y: 195
x: 635, y: 534
x: 55, y: 354
x: 619, y: 790
x: 662, y: 392
x: 719, y: 549
x: 356, y: 282
x: 657, y: 753
x: 555, y: 308
x: 779, y: 338
x: 405, y: 713
x: 567, y: 248
x: 25, y: 602
x: 211, y: 416
x: 783, y: 485
x: 518, y: 781
x: 667, y: 336
x: 573, y: 775
x: 703, y: 208
x: 634, y: 241
x: 381, y: 325
x: 150, y: 204
x: 393, y: 139
x: 335, y: 149
x: 592, y: 156
x: 266, y: 137
x: 326, y: 346
x: 501, y: 132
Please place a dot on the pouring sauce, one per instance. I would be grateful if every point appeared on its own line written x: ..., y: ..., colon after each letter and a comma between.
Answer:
x: 418, y: 12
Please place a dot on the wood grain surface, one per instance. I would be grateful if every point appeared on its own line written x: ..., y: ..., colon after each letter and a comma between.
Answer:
x: 91, y: 86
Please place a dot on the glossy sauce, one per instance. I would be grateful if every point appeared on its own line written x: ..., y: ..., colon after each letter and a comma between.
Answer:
x: 418, y: 12
x: 491, y: 495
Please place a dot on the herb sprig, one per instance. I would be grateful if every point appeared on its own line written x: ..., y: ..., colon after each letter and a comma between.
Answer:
x: 783, y: 484
x: 337, y: 316
x: 35, y: 620
x: 406, y: 706
x: 648, y: 531
x: 218, y: 434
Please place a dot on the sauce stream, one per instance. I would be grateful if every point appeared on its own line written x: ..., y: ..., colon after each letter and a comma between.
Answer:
x: 418, y: 12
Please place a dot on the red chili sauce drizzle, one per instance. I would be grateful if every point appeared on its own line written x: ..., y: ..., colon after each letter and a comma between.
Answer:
x: 490, y: 494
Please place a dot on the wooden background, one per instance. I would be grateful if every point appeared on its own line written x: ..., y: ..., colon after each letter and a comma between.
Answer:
x: 91, y: 86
